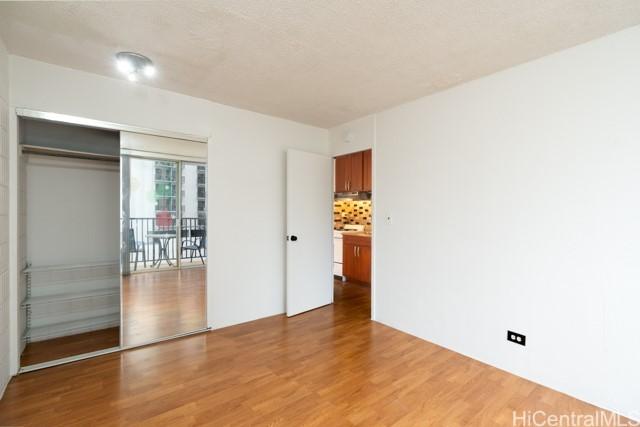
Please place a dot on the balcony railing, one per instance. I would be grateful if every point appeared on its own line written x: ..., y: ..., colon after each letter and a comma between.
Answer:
x: 155, y: 238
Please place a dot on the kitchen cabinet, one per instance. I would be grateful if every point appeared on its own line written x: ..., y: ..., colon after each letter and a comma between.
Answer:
x: 350, y: 174
x: 355, y: 180
x: 366, y: 170
x: 342, y: 173
x: 356, y: 258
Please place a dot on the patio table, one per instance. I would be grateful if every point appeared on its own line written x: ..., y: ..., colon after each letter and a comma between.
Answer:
x: 163, y: 237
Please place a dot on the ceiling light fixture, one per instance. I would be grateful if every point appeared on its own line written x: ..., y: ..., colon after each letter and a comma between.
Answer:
x: 133, y: 65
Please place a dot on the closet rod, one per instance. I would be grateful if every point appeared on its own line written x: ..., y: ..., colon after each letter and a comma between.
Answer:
x: 61, y: 152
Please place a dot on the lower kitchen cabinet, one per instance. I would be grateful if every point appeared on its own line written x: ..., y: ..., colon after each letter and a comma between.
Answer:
x: 356, y: 258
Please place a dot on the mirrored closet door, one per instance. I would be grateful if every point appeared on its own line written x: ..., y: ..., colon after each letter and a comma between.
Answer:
x: 163, y: 238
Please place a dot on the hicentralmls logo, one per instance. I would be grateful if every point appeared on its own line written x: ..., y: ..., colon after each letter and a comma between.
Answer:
x: 595, y: 419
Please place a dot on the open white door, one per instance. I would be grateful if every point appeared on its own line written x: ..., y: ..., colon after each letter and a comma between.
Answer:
x: 309, y: 231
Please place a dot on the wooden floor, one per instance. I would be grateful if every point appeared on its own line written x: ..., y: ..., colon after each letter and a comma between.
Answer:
x: 327, y: 367
x: 72, y: 345
x: 162, y: 303
x: 155, y: 304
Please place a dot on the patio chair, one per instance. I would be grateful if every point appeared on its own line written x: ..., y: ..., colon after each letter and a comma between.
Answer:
x: 137, y: 247
x: 196, y: 242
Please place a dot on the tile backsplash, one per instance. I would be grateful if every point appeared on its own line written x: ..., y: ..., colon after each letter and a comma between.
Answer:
x: 351, y: 212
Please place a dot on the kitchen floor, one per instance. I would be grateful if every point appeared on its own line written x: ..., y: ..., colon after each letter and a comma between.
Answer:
x: 354, y: 296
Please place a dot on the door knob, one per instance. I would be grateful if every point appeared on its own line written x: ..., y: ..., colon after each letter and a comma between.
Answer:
x: 294, y: 238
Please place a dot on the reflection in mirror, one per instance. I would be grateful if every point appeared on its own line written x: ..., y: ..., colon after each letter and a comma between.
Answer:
x: 164, y: 241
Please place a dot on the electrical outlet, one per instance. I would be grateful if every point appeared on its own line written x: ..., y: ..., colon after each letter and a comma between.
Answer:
x: 517, y: 338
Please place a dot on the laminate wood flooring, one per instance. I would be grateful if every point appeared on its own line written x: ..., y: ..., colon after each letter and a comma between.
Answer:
x: 328, y: 367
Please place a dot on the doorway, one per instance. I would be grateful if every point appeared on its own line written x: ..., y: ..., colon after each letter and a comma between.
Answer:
x: 353, y: 223
x: 329, y: 228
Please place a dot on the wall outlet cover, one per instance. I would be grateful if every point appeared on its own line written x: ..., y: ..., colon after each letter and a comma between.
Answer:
x: 516, y: 338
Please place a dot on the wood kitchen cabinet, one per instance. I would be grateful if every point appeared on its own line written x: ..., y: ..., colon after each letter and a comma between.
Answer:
x: 356, y: 258
x: 366, y: 170
x: 342, y: 173
x: 351, y: 172
x: 355, y: 180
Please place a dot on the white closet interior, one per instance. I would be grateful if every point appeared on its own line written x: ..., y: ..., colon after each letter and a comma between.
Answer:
x: 70, y: 205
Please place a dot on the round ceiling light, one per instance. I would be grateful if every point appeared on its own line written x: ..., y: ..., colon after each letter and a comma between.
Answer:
x: 133, y: 65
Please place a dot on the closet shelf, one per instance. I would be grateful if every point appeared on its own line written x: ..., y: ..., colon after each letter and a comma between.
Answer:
x: 47, y: 268
x: 67, y: 328
x: 103, y: 278
x: 48, y: 299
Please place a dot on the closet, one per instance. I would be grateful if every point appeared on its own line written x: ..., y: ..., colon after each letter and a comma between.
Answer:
x: 112, y: 240
x: 69, y: 247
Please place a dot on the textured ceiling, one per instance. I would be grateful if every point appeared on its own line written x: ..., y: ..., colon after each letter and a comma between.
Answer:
x: 318, y: 62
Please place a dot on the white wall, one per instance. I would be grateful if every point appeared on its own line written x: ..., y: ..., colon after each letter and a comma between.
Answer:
x: 357, y: 135
x: 515, y: 205
x: 246, y: 173
x: 4, y: 219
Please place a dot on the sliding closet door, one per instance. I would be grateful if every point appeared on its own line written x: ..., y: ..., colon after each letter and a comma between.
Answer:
x: 163, y: 238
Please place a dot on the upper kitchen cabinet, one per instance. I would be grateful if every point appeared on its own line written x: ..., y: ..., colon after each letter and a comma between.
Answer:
x: 351, y: 172
x: 342, y: 173
x: 355, y: 182
x: 366, y: 170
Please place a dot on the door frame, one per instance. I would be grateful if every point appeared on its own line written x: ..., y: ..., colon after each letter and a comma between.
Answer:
x: 373, y: 219
x: 374, y: 233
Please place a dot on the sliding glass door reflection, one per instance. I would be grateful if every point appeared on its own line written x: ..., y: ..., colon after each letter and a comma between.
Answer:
x: 193, y: 218
x: 152, y: 205
x: 164, y: 249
